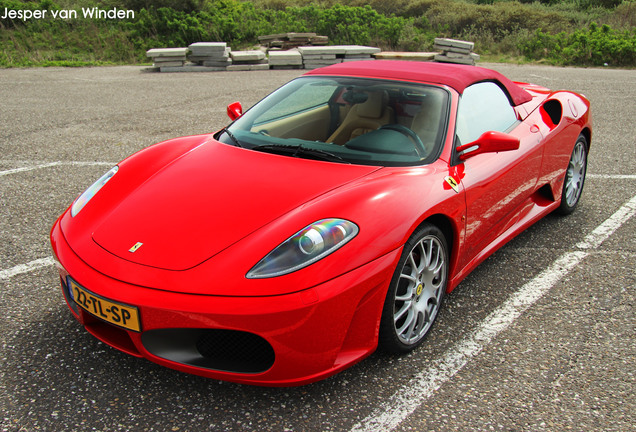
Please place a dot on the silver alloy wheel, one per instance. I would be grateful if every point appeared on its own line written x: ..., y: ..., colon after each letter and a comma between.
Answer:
x: 420, y: 290
x: 575, y: 174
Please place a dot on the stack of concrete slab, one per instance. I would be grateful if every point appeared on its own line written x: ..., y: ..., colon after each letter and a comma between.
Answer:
x: 455, y: 51
x: 290, y: 59
x: 210, y: 54
x: 292, y: 40
x: 357, y: 52
x: 248, y: 60
x: 315, y: 57
x: 167, y: 57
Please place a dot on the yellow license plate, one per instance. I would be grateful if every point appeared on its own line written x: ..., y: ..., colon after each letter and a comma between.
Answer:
x: 116, y: 313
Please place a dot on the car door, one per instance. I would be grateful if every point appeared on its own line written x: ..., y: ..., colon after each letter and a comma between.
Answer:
x: 497, y: 185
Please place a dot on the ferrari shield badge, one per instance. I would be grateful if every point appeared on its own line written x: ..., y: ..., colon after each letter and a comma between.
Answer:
x: 452, y: 183
x: 136, y: 246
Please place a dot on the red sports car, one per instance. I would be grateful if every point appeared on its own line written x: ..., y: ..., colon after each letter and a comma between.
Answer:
x: 330, y: 218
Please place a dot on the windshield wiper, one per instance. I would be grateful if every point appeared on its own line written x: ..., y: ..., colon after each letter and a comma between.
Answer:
x: 232, y: 137
x: 300, y: 151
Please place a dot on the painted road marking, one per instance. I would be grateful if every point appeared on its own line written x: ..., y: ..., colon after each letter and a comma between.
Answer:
x: 612, y: 176
x: 407, y: 399
x: 52, y: 164
x: 28, y: 168
x: 25, y: 268
x: 607, y: 228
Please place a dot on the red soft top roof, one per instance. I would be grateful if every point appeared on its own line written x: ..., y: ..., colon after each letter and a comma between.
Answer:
x: 455, y: 76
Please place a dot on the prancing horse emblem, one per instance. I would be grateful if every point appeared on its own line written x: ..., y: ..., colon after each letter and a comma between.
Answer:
x: 452, y: 183
x: 135, y: 247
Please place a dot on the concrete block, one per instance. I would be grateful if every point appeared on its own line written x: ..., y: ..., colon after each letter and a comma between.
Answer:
x: 454, y: 43
x: 168, y: 63
x: 277, y: 36
x: 451, y: 54
x: 359, y: 49
x: 447, y: 49
x: 320, y: 63
x: 319, y: 57
x: 247, y: 56
x: 217, y: 63
x: 248, y: 67
x: 443, y: 58
x: 208, y: 47
x: 292, y: 36
x: 166, y: 52
x: 335, y: 50
x: 168, y: 59
x: 285, y: 58
x: 202, y: 58
x: 320, y: 40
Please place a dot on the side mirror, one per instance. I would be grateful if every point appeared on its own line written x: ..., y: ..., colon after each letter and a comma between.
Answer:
x: 488, y: 142
x: 234, y: 110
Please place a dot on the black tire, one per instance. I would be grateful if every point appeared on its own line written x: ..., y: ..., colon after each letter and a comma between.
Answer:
x: 416, y: 292
x: 574, y: 177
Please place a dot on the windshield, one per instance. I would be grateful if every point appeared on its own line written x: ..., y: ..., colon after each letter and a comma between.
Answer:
x: 346, y: 120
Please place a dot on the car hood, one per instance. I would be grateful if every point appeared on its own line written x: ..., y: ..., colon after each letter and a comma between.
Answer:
x: 210, y: 198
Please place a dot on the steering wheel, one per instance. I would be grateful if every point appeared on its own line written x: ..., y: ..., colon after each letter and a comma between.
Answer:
x: 419, y: 145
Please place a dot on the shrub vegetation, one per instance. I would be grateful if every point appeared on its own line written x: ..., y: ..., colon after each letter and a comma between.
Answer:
x: 565, y: 32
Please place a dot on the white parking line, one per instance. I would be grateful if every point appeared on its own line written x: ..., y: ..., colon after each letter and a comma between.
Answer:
x: 612, y: 176
x: 25, y: 268
x: 408, y: 398
x: 52, y: 164
x: 607, y: 228
x: 28, y: 168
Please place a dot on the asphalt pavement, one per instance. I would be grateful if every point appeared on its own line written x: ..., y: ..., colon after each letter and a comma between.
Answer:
x: 540, y: 337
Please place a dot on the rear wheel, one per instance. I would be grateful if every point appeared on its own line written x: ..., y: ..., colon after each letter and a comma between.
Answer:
x: 574, y: 177
x: 416, y: 292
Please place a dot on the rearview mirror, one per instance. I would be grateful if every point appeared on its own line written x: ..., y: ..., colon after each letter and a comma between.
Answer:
x: 234, y: 110
x: 488, y: 142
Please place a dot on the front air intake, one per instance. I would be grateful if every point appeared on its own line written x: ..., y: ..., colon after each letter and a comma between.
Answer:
x: 218, y: 349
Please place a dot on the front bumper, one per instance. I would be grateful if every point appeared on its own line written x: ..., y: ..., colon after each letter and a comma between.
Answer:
x: 282, y: 340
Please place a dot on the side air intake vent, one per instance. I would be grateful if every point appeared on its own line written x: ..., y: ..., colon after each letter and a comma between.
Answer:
x: 553, y: 110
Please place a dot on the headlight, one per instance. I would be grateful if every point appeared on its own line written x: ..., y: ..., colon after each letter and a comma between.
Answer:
x: 307, y: 246
x: 91, y: 191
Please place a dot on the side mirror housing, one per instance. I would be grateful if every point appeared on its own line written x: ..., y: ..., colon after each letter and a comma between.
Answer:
x: 488, y: 142
x: 234, y: 110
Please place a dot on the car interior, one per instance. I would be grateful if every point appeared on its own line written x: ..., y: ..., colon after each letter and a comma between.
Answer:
x: 370, y: 120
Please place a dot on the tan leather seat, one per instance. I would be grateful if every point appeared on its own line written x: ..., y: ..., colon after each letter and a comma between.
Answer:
x: 364, y: 117
x: 426, y: 122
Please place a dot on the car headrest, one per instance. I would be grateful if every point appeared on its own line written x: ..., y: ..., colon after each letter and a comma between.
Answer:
x: 355, y: 97
x: 374, y: 105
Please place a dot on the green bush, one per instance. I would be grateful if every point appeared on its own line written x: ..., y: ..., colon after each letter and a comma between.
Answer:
x: 593, y: 46
x: 241, y: 23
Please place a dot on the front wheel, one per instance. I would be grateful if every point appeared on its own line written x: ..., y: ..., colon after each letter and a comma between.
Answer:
x: 416, y: 292
x: 574, y: 177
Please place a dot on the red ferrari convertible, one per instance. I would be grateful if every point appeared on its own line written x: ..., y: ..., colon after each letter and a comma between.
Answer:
x: 329, y: 219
